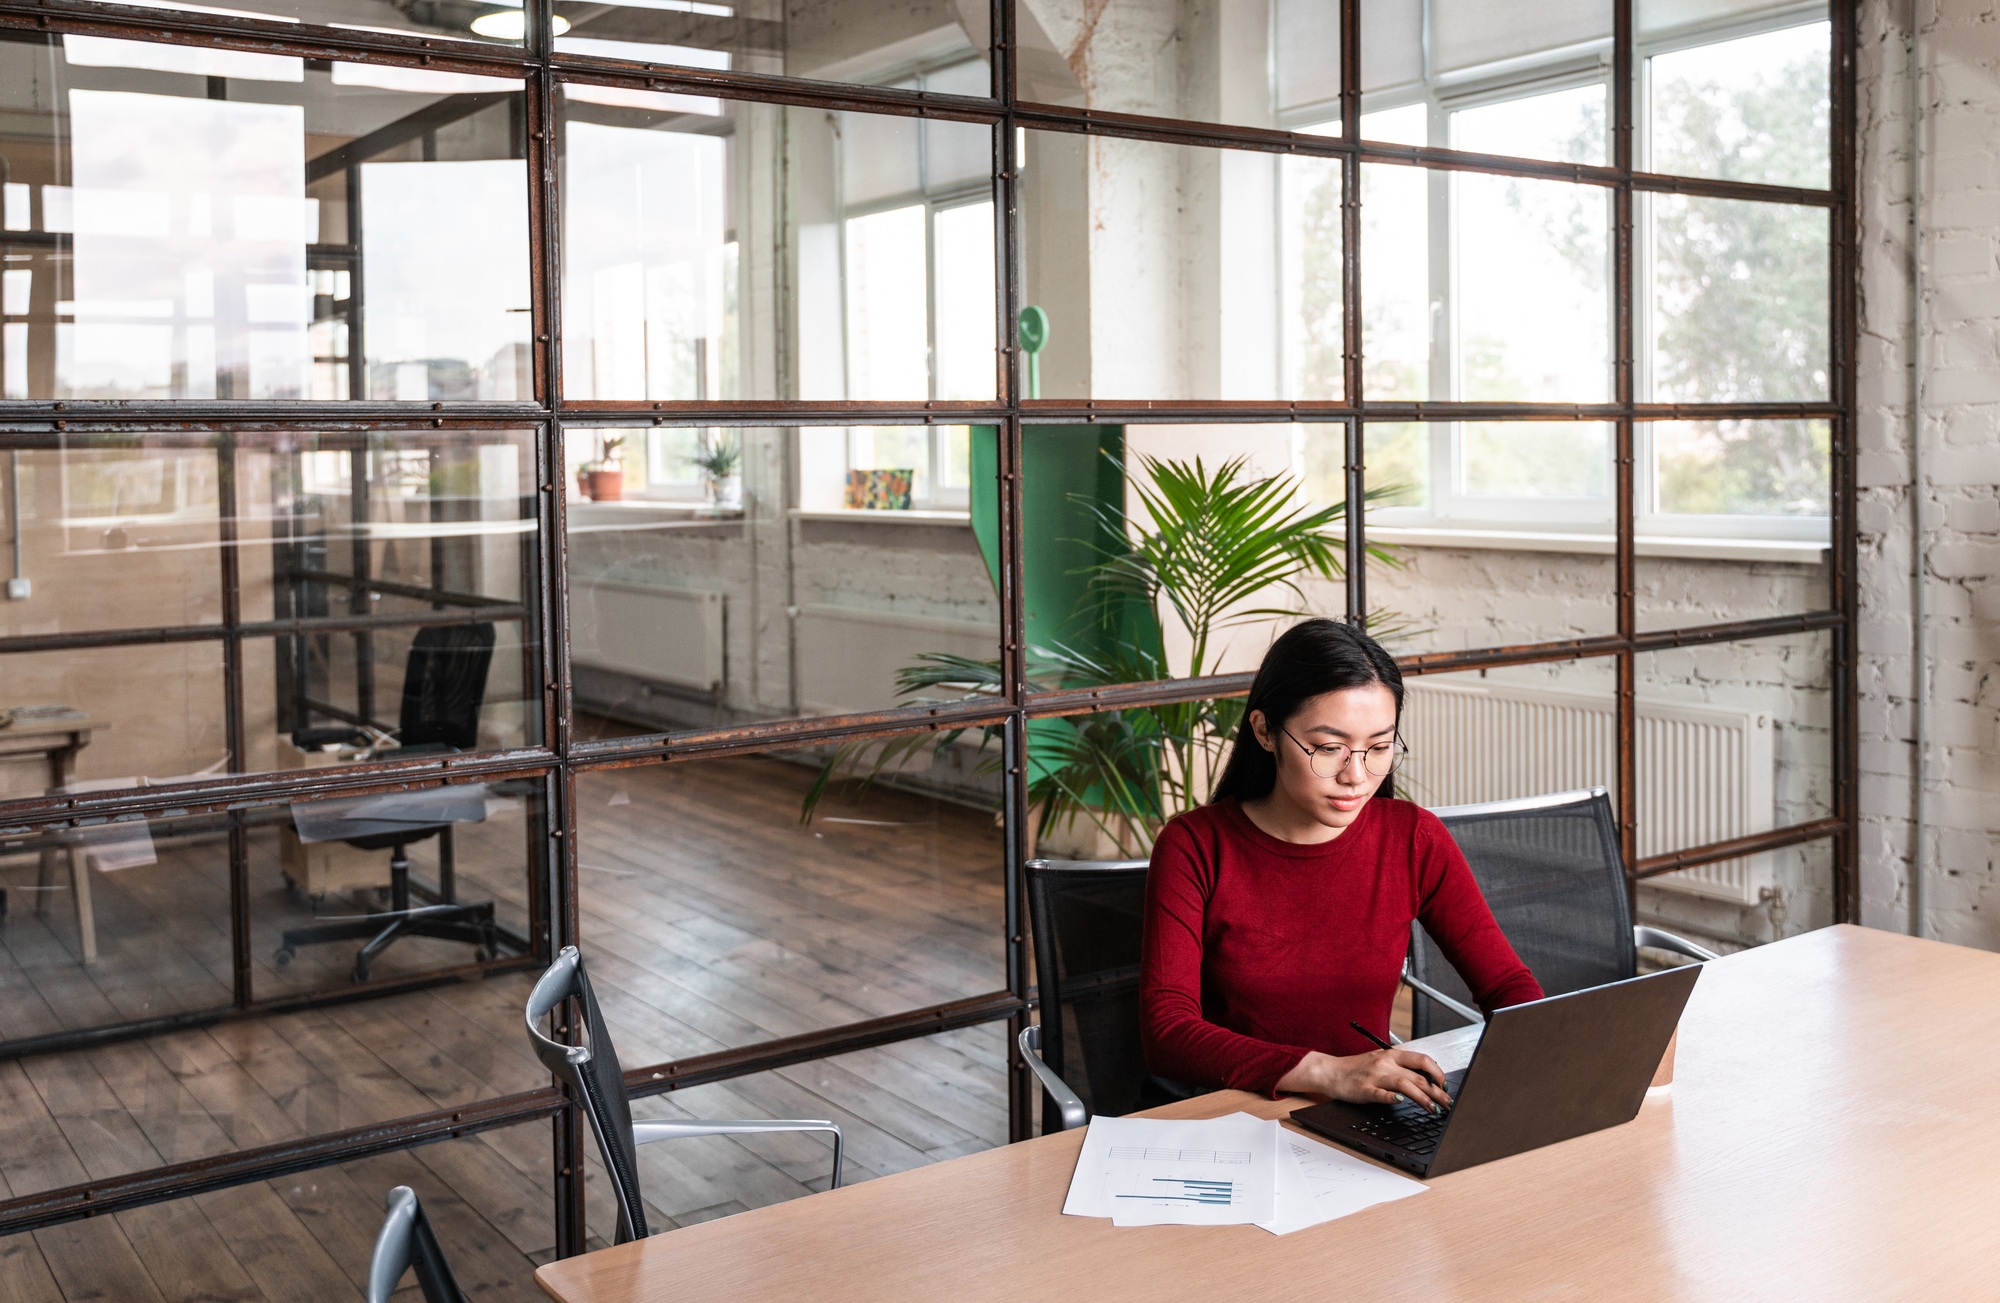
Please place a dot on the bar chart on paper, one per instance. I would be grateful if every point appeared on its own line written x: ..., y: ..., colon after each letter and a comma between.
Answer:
x: 1159, y: 1176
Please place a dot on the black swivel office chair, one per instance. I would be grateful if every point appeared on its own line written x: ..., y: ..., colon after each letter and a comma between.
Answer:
x: 592, y: 1074
x: 407, y: 1243
x: 1088, y: 917
x: 1552, y: 873
x: 444, y: 685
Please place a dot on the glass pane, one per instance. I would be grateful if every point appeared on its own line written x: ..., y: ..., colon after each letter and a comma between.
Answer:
x: 1739, y: 301
x: 218, y: 225
x: 900, y: 1106
x: 1738, y: 523
x: 1399, y: 304
x: 728, y: 902
x: 115, y: 530
x: 1568, y: 125
x: 1153, y: 266
x: 1532, y: 289
x: 672, y: 268
x: 105, y: 925
x: 324, y: 885
x: 941, y: 49
x: 423, y: 546
x: 1523, y: 80
x: 1514, y: 731
x: 489, y: 1198
x: 1534, y: 459
x: 112, y: 717
x: 500, y: 23
x: 1486, y: 534
x: 1743, y: 107
x: 1736, y: 738
x: 1261, y: 66
x: 1152, y: 551
x: 721, y: 575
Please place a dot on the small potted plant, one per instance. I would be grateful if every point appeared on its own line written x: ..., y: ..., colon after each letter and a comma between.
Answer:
x: 603, y: 480
x: 719, y: 460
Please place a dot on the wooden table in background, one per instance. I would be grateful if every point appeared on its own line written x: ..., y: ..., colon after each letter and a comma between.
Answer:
x: 53, y: 741
x: 1833, y: 1132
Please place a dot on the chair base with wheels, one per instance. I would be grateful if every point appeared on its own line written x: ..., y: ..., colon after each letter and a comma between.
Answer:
x: 448, y: 921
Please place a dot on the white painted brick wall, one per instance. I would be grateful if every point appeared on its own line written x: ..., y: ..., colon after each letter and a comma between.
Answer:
x: 1960, y: 321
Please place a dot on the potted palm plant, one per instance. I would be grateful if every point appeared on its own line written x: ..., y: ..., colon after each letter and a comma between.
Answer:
x: 1213, y: 546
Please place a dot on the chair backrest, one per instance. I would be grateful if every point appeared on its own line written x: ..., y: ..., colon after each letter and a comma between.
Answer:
x: 1087, y: 917
x: 592, y: 1073
x: 444, y: 685
x: 1550, y: 869
x: 406, y: 1243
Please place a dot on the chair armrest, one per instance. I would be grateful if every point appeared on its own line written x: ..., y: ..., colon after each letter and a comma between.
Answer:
x: 1465, y: 1011
x: 1654, y: 939
x: 645, y: 1133
x: 1074, y: 1114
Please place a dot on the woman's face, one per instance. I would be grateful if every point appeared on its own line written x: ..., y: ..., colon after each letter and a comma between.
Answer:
x: 1356, y: 718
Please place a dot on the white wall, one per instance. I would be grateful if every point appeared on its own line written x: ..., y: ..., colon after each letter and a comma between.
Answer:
x: 1960, y: 326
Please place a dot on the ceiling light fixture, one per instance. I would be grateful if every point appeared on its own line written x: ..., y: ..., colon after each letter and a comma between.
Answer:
x: 512, y: 25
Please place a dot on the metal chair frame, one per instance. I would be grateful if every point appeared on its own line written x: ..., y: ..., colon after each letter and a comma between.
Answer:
x: 405, y: 1243
x: 592, y: 1074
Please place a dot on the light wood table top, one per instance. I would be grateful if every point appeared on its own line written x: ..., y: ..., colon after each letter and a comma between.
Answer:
x: 1833, y: 1132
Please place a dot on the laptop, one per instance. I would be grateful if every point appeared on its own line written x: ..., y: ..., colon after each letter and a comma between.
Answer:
x: 1543, y: 1072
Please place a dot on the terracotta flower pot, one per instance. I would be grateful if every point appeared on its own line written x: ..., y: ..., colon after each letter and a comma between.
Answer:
x: 605, y: 485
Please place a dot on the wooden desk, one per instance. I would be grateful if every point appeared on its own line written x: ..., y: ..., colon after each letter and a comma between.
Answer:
x: 1833, y: 1132
x: 53, y: 741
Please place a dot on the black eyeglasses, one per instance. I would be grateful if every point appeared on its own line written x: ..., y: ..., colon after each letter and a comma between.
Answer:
x: 1379, y: 760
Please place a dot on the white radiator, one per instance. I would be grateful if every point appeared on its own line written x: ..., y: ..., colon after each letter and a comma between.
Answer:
x: 1705, y: 773
x: 848, y: 655
x: 671, y: 635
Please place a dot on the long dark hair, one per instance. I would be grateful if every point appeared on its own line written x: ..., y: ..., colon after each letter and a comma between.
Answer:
x: 1310, y: 658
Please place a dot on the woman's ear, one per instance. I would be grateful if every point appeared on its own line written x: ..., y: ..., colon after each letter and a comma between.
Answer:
x: 1261, y: 729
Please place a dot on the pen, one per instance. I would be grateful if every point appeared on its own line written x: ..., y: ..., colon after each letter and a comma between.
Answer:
x: 1370, y: 1035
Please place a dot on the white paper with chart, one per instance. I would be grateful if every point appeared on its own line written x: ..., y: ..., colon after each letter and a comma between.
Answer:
x: 1153, y: 1172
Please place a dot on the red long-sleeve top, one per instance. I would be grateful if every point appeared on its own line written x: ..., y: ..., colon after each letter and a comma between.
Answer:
x: 1258, y: 951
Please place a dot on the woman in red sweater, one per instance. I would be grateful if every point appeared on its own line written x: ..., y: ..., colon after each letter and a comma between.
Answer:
x: 1281, y: 910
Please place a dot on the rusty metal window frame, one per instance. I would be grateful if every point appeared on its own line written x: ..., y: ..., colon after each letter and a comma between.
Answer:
x: 562, y: 758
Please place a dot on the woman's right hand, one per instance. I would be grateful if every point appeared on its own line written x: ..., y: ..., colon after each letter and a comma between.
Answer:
x: 1377, y: 1077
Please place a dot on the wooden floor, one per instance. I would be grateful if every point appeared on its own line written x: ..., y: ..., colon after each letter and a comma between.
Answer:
x: 711, y: 918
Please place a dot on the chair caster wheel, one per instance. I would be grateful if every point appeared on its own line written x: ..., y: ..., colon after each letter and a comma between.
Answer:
x: 283, y: 956
x: 483, y: 955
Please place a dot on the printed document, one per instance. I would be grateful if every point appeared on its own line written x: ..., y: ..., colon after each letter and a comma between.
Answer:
x: 1317, y: 1183
x: 1152, y: 1172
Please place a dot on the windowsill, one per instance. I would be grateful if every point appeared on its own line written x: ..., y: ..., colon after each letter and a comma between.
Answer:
x: 1796, y: 551
x: 863, y: 516
x: 640, y: 513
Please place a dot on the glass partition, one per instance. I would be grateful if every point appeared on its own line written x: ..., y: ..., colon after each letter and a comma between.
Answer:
x: 673, y: 270
x: 191, y: 224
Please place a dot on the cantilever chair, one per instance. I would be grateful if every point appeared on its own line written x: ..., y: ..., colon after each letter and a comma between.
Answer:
x: 1087, y: 918
x: 444, y: 685
x: 591, y: 1072
x: 406, y: 1242
x: 1552, y: 873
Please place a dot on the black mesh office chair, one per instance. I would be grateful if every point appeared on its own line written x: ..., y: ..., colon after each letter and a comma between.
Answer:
x: 444, y: 685
x: 1551, y: 871
x: 591, y: 1072
x: 1088, y: 917
x: 406, y: 1243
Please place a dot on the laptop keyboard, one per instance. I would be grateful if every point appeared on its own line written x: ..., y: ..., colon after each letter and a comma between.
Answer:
x: 1409, y: 1127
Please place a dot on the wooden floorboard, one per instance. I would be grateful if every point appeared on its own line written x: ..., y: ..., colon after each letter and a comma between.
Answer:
x: 712, y: 919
